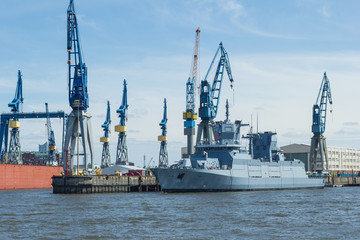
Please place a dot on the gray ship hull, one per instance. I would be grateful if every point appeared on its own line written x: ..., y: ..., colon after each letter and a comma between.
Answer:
x: 195, y: 180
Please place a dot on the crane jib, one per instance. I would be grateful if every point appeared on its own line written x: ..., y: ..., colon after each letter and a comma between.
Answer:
x: 320, y: 107
x: 78, y: 95
x: 210, y: 95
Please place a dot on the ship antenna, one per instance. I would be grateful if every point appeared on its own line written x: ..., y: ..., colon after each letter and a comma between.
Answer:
x: 227, y: 110
x: 251, y: 125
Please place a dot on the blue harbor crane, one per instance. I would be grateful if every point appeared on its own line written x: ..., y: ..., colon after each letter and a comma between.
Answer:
x: 14, y: 154
x: 51, y: 139
x: 11, y: 120
x: 78, y: 129
x: 105, y: 157
x: 163, y: 155
x: 210, y: 97
x: 122, y: 152
x: 190, y: 115
x: 318, y: 141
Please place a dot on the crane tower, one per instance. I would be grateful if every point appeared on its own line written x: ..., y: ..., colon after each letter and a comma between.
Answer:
x: 122, y: 152
x: 105, y: 157
x: 190, y: 115
x: 51, y: 139
x: 318, y: 141
x: 14, y: 155
x: 163, y: 155
x: 210, y: 97
x: 78, y: 128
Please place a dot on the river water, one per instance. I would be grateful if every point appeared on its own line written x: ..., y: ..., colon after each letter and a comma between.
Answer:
x: 330, y: 213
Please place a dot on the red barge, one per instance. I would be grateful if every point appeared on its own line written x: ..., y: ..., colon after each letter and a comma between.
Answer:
x: 15, y: 176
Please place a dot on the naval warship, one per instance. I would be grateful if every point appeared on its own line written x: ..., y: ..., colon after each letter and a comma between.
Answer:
x: 223, y: 164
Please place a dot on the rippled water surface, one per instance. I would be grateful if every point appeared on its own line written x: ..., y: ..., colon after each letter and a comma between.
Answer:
x: 330, y: 213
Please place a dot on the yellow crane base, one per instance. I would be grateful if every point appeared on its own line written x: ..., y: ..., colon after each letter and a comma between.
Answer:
x: 120, y: 128
x: 104, y: 139
x: 52, y: 148
x: 189, y: 115
x: 162, y: 138
x: 14, y: 124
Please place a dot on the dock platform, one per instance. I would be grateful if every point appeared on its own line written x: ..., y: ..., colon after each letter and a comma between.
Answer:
x: 336, y: 181
x: 104, y: 184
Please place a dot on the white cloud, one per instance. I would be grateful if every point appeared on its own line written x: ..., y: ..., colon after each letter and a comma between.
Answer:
x: 351, y: 123
x: 325, y: 11
x: 349, y: 131
x: 84, y: 21
x: 234, y: 7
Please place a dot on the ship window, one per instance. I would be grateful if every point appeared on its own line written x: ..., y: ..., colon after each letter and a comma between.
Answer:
x: 228, y: 129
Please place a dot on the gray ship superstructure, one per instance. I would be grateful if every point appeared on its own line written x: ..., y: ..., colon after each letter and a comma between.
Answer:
x: 224, y: 165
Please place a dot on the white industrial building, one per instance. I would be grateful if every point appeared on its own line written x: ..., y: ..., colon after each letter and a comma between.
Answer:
x: 339, y: 159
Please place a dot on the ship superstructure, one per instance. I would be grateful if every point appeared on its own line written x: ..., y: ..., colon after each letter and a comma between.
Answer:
x: 226, y: 165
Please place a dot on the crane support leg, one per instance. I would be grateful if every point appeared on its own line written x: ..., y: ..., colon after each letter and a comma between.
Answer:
x: 4, y: 133
x: 205, y: 134
x: 14, y: 147
x: 163, y: 155
x: 318, y: 154
x: 122, y: 151
x: 80, y: 119
x: 105, y: 157
x: 189, y: 132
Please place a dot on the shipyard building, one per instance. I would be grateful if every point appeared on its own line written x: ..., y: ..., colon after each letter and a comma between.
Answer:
x: 340, y: 159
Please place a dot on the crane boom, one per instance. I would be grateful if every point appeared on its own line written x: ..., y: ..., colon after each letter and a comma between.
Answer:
x: 163, y: 122
x: 122, y: 110
x: 18, y: 99
x: 210, y: 95
x: 192, y: 80
x: 78, y: 94
x: 196, y: 56
x: 320, y: 107
x: 107, y: 122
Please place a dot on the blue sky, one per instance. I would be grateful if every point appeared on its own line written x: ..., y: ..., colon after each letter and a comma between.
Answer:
x: 278, y: 51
